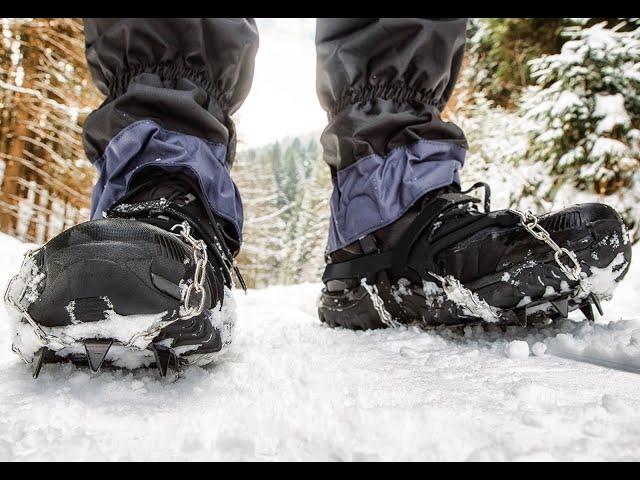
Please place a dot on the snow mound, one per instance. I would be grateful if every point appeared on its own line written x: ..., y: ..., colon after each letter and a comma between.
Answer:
x: 518, y: 349
x: 290, y: 388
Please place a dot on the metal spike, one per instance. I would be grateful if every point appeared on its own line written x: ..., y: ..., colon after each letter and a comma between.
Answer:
x: 521, y: 320
x: 175, y: 364
x: 587, y: 311
x: 38, y: 361
x: 596, y: 302
x: 562, y: 306
x: 96, y: 352
x: 165, y: 359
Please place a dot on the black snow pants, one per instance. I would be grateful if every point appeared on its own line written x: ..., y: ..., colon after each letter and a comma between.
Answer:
x: 171, y: 86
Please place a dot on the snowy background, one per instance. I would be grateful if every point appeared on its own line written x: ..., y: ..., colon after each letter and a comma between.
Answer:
x: 289, y: 388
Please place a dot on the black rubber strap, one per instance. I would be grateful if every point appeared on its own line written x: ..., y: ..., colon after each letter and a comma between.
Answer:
x: 395, y: 259
x: 360, y: 267
x: 369, y: 245
x: 155, y: 208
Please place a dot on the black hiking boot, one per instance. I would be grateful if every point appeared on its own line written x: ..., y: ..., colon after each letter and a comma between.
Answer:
x: 148, y: 285
x: 447, y: 263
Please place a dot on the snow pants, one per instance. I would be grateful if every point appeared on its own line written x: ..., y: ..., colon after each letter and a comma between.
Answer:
x: 171, y: 86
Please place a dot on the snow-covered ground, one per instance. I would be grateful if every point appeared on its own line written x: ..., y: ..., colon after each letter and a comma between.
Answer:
x: 290, y: 388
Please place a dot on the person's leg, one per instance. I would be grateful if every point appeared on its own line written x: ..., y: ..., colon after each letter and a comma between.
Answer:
x: 405, y: 245
x: 171, y: 86
x: 383, y: 83
x: 157, y: 267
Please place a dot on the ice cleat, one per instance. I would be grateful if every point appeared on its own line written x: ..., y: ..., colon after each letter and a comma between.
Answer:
x: 154, y: 276
x: 448, y: 263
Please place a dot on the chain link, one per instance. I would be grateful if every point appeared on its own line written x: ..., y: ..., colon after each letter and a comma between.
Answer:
x: 197, y: 284
x: 378, y: 304
x: 531, y: 223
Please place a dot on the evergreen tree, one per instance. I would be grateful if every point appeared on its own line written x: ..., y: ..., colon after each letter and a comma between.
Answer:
x: 500, y: 49
x: 586, y: 109
x: 285, y: 190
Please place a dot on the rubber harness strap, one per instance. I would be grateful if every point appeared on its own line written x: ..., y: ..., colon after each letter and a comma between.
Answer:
x: 396, y: 258
x: 154, y: 208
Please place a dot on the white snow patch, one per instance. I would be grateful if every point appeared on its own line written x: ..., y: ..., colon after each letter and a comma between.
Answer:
x: 401, y: 289
x: 602, y: 280
x: 290, y: 388
x: 538, y: 349
x: 612, y: 111
x: 471, y: 303
x: 518, y: 349
x: 604, y: 147
x: 566, y: 101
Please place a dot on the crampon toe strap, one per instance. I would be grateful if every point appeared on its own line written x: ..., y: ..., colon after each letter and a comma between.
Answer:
x: 420, y: 244
x: 166, y: 214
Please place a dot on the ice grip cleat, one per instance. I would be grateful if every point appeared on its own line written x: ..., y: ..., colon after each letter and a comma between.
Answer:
x: 103, y: 292
x: 457, y: 266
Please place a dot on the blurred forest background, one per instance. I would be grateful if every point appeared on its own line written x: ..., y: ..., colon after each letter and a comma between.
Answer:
x: 556, y: 100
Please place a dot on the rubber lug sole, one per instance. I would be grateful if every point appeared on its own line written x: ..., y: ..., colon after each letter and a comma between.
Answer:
x: 361, y: 315
x: 165, y: 358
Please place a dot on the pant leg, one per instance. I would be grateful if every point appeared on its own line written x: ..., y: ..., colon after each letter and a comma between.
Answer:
x: 171, y: 86
x: 383, y: 83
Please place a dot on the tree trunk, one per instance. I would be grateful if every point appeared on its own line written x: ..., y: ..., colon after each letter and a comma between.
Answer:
x: 14, y: 169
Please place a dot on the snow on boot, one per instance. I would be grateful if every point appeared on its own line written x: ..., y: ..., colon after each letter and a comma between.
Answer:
x: 447, y: 263
x: 148, y: 285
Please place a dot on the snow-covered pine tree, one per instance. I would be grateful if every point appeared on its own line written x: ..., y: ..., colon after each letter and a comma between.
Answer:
x: 285, y: 189
x: 261, y: 250
x: 586, y: 112
x: 499, y: 50
x: 310, y: 221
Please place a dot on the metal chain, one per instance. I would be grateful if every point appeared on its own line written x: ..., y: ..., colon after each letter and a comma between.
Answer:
x: 531, y: 223
x: 16, y: 304
x: 197, y: 284
x: 451, y: 285
x: 378, y: 304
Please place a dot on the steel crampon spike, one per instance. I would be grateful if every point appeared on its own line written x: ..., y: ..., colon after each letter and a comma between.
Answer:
x: 38, y: 361
x: 562, y: 306
x: 596, y: 301
x: 587, y: 311
x: 165, y: 359
x: 96, y: 352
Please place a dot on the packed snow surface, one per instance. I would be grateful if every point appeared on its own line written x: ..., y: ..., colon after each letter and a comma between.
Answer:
x: 290, y: 388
